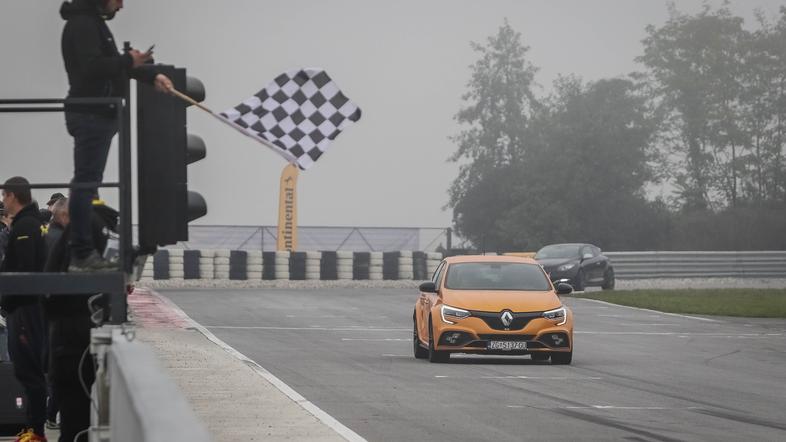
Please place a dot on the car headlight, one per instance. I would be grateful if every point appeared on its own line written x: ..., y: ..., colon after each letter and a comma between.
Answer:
x: 566, y: 267
x: 449, y: 312
x: 560, y: 315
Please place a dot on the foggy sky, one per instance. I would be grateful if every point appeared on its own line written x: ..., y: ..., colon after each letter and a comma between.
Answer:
x: 405, y: 63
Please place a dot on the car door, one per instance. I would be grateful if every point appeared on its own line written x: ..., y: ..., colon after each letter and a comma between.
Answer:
x: 591, y: 263
x: 425, y: 302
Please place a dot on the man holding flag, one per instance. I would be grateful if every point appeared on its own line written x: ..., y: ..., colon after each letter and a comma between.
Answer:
x: 95, y: 69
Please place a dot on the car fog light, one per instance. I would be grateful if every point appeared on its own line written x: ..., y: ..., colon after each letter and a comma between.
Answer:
x: 453, y: 337
x: 558, y: 339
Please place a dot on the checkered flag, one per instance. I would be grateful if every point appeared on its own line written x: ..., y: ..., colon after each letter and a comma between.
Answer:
x: 298, y: 114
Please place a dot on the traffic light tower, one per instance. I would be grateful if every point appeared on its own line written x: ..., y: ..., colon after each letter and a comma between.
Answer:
x: 164, y: 151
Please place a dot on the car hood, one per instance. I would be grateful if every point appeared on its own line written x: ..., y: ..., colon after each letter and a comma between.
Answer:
x: 554, y: 262
x: 498, y: 300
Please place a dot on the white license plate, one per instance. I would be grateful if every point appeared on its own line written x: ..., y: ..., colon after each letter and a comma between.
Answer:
x: 507, y: 345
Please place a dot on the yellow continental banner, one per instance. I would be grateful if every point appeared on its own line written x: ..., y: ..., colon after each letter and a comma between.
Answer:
x: 287, y: 209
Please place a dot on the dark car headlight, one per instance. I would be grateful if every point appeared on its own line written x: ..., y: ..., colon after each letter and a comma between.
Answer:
x: 566, y: 267
x: 559, y: 315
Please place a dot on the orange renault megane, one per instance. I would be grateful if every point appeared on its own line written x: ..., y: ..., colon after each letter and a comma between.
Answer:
x: 501, y: 305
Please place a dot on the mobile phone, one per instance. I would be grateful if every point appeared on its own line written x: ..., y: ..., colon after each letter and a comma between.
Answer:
x: 150, y: 49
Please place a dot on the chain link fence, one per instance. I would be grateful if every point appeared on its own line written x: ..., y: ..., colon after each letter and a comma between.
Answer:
x: 320, y: 238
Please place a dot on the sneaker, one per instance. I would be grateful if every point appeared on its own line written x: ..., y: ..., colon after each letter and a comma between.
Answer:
x: 29, y: 436
x: 52, y: 425
x: 91, y: 263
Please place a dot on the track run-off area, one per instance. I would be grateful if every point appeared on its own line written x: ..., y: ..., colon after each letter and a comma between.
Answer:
x: 636, y: 374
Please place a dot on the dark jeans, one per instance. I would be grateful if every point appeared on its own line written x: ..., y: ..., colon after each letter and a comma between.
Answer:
x: 27, y: 347
x: 69, y: 338
x: 93, y: 135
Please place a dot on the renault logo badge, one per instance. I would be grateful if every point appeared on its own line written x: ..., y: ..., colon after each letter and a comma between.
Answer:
x: 507, y: 318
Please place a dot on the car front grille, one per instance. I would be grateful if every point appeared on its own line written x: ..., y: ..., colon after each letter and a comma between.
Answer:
x: 494, y: 320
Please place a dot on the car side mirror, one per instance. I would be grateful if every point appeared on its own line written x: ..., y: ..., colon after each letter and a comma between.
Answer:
x: 428, y: 287
x: 564, y: 289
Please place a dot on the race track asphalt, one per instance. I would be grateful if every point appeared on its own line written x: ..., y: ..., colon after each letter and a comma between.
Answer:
x: 636, y: 374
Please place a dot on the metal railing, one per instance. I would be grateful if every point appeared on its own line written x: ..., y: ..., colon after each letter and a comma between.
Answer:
x: 645, y: 265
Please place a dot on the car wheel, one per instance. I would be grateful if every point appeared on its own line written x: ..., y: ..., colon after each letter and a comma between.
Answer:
x: 434, y: 355
x: 579, y: 283
x: 608, y: 280
x: 420, y: 352
x: 561, y: 358
x: 539, y: 357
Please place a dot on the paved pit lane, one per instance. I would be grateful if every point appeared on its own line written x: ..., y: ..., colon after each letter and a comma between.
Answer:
x: 636, y: 374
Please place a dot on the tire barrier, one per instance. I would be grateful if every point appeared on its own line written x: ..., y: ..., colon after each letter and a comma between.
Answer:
x: 419, y: 268
x: 191, y: 264
x: 161, y: 265
x: 360, y: 265
x: 257, y: 265
x: 215, y: 264
x: 327, y: 267
x: 297, y: 266
x: 390, y: 265
x: 238, y: 265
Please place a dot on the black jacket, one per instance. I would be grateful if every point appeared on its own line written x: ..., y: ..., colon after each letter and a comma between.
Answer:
x: 57, y: 307
x: 25, y: 252
x: 95, y: 67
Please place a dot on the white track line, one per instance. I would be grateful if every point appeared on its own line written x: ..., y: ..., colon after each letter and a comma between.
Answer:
x: 350, y: 328
x: 307, y: 405
x: 650, y: 310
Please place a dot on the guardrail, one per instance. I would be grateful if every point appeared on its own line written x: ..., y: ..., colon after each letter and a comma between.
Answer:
x: 645, y: 265
x: 145, y: 404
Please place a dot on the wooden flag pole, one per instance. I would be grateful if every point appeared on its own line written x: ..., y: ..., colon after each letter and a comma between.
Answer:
x: 287, y: 209
x: 191, y: 101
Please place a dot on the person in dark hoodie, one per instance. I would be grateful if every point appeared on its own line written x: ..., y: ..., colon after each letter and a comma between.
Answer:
x: 95, y: 68
x: 27, y: 330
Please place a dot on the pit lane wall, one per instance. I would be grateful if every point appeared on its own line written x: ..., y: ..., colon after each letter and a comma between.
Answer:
x: 415, y: 265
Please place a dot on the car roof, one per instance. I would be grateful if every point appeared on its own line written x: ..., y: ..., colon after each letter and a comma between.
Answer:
x: 489, y: 258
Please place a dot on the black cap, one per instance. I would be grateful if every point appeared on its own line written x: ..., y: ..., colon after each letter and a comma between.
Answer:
x: 53, y: 199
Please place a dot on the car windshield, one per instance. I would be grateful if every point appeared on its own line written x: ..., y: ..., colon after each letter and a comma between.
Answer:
x: 496, y: 276
x: 559, y: 251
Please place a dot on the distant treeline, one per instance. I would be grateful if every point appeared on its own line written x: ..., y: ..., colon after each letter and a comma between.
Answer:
x: 705, y: 118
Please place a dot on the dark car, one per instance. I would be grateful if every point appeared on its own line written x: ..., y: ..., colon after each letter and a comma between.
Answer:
x: 582, y: 265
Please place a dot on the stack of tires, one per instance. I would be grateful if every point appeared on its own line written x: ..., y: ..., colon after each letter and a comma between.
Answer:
x: 254, y: 264
x: 405, y: 265
x: 207, y: 264
x: 432, y: 262
x: 312, y: 265
x: 222, y: 264
x: 375, y: 266
x: 282, y: 265
x: 344, y: 264
x: 176, y: 264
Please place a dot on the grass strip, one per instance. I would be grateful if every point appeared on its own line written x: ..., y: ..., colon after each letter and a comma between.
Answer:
x: 751, y: 303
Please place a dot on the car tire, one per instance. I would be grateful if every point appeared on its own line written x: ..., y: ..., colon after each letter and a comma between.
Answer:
x: 433, y: 354
x: 561, y: 358
x: 579, y: 283
x: 608, y: 280
x: 420, y: 352
x: 539, y: 357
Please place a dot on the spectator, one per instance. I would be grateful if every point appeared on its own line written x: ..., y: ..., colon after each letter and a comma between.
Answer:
x: 69, y: 334
x: 27, y: 341
x: 58, y: 205
x: 95, y: 68
x: 5, y: 223
x: 60, y: 219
